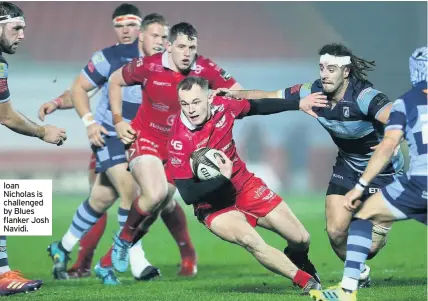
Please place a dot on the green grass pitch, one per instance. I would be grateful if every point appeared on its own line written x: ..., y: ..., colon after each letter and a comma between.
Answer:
x: 226, y: 272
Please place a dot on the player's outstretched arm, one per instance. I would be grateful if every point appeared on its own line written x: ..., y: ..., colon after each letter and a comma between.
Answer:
x: 22, y: 125
x: 62, y: 102
x: 266, y: 106
x: 248, y: 94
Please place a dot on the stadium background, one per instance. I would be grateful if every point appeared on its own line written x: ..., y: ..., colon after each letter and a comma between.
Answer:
x: 264, y: 45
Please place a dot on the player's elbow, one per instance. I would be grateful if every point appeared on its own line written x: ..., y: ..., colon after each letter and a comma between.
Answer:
x: 116, y: 79
x: 387, y: 147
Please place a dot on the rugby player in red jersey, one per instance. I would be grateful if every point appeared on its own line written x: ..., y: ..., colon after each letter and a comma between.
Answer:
x: 235, y: 202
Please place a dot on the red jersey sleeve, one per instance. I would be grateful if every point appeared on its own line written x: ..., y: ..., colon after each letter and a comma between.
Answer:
x: 239, y: 107
x: 216, y: 76
x: 134, y: 72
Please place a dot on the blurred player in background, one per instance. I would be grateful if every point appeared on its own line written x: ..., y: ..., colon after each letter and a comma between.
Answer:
x: 148, y: 132
x: 111, y: 159
x: 234, y: 203
x: 12, y: 24
x: 355, y: 120
x: 127, y: 31
x: 404, y: 198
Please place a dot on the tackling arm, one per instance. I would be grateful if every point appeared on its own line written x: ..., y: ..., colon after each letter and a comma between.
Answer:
x: 194, y: 192
x: 18, y: 122
x: 382, y: 154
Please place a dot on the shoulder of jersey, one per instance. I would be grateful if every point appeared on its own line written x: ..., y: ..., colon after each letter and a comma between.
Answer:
x: 2, y: 59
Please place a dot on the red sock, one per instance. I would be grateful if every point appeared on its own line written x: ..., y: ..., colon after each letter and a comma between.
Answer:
x: 90, y: 241
x: 301, y: 278
x: 135, y: 217
x: 106, y: 259
x: 176, y: 223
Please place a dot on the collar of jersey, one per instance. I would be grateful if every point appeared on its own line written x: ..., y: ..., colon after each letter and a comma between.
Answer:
x: 165, y: 62
x: 189, y: 125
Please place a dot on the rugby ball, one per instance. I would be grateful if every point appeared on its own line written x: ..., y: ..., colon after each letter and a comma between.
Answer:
x: 204, y: 163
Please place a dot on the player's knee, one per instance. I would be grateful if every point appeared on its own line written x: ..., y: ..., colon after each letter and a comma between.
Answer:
x: 337, y: 236
x: 156, y: 195
x: 251, y: 242
x: 101, y: 199
x: 379, y: 239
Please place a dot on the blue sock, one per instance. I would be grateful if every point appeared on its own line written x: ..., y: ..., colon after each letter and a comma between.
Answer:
x: 84, y: 218
x: 4, y: 264
x: 357, y: 249
x: 122, y: 215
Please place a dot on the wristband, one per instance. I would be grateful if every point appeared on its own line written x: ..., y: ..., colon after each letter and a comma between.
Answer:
x: 117, y: 118
x: 58, y: 102
x: 88, y: 119
x: 363, y: 183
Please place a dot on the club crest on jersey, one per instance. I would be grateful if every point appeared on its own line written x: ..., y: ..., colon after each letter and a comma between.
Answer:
x: 346, y: 112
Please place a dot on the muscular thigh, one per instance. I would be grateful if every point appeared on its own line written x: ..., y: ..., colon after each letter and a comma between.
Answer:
x: 232, y: 226
x: 283, y: 221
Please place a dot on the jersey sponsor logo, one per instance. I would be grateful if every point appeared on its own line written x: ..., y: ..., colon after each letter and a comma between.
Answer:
x: 307, y: 86
x: 176, y: 153
x: 380, y: 100
x: 219, y: 108
x: 373, y: 190
x: 363, y: 93
x: 140, y: 62
x: 198, y: 69
x: 337, y: 176
x: 269, y: 196
x: 176, y: 144
x: 98, y: 58
x: 346, y: 112
x: 259, y: 192
x: 225, y: 75
x: 170, y: 120
x: 162, y: 84
x: 295, y: 89
x: 176, y: 162
x: 221, y: 123
x: 225, y: 148
x: 3, y: 70
x: 159, y: 127
x: 3, y: 85
x: 200, y: 144
x: 91, y: 67
x: 149, y: 142
x: 160, y: 107
x: 125, y: 59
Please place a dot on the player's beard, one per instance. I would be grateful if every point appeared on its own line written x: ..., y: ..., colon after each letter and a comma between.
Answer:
x: 5, y: 45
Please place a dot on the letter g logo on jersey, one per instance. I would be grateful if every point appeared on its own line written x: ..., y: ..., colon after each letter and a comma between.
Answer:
x: 177, y: 145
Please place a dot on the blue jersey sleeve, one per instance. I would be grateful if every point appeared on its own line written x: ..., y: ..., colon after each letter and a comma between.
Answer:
x: 297, y: 92
x: 397, y: 117
x: 372, y: 102
x: 4, y: 88
x: 97, y: 70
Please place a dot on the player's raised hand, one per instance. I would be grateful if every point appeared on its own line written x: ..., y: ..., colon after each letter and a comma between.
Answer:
x: 224, y: 164
x: 125, y: 132
x: 46, y: 109
x: 95, y: 132
x: 313, y: 100
x: 54, y: 135
x: 353, y: 199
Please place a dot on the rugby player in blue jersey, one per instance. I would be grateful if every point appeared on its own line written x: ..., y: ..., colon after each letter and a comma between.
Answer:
x: 404, y: 198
